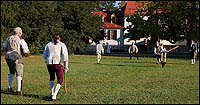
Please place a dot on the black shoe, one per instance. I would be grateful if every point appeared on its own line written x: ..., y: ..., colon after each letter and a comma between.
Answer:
x: 19, y: 93
x: 51, y: 97
x: 54, y: 99
x: 163, y: 64
x: 10, y: 90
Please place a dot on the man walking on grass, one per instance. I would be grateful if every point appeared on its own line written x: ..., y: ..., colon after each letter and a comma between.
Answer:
x: 133, y: 49
x: 99, y: 51
x: 163, y: 52
x: 56, y: 56
x: 13, y: 46
x: 192, y: 52
x: 157, y: 52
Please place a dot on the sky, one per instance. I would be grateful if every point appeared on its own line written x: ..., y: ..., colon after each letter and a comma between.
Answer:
x: 116, y: 4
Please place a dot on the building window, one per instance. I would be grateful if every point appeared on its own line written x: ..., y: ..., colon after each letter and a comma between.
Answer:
x: 113, y: 18
x: 102, y: 19
x: 112, y: 34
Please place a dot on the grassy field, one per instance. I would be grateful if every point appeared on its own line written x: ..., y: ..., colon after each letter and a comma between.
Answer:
x: 117, y: 80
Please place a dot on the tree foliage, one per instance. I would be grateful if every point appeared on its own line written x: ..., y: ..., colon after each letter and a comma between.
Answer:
x: 170, y: 20
x: 40, y: 19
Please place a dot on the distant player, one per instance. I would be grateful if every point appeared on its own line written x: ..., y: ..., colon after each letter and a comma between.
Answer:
x: 157, y: 52
x: 99, y: 51
x: 107, y: 48
x: 163, y: 53
x: 193, y: 52
x: 133, y: 49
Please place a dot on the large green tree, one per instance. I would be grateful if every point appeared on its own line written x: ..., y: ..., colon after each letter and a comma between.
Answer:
x: 40, y: 19
x: 170, y: 20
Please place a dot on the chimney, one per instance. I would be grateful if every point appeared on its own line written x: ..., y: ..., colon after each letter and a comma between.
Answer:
x: 123, y: 3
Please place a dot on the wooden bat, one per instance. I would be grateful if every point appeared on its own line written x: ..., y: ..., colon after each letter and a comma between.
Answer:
x: 65, y: 82
x: 173, y: 48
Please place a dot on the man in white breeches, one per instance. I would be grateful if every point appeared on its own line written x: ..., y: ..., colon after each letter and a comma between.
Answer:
x: 163, y: 55
x: 13, y: 46
x: 99, y: 51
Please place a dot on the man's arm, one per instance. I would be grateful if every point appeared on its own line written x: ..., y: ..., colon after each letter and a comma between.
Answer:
x: 45, y: 52
x: 5, y: 45
x: 102, y: 49
x: 65, y: 57
x: 24, y: 46
x: 136, y: 49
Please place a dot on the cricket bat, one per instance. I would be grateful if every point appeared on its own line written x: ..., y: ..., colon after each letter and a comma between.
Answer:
x: 65, y: 83
x: 173, y: 48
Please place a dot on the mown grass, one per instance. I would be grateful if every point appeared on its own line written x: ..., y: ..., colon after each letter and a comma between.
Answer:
x: 117, y: 80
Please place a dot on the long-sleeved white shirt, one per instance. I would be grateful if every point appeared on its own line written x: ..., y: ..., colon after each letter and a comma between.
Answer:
x: 56, y: 54
x: 135, y: 50
x: 99, y: 48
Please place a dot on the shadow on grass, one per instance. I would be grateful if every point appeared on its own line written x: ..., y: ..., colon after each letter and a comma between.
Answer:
x: 40, y: 97
x: 120, y: 65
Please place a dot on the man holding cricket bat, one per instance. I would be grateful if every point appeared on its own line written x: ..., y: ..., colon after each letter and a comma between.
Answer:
x: 163, y: 55
x: 56, y: 56
x: 164, y: 52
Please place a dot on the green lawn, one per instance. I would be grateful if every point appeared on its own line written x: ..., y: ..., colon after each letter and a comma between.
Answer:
x: 117, y: 80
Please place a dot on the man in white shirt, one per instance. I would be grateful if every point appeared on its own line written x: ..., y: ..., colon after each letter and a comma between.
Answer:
x: 163, y: 55
x: 56, y: 56
x: 157, y: 52
x: 108, y: 48
x: 133, y: 49
x: 99, y: 51
x: 192, y: 52
x: 13, y: 46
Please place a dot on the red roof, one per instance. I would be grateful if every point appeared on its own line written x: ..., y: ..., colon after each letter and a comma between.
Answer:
x: 132, y: 7
x: 100, y: 12
x: 111, y: 25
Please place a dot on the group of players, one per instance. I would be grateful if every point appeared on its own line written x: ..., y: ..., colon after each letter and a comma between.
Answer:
x: 159, y: 51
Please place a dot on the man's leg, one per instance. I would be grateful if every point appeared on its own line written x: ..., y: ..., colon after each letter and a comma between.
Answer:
x: 136, y: 54
x: 10, y: 79
x: 131, y: 54
x: 192, y: 58
x: 98, y: 58
x: 59, y: 73
x: 12, y: 68
x: 52, y: 78
x: 157, y: 56
x: 19, y: 72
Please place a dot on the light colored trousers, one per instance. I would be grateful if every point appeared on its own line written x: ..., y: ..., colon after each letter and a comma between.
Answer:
x: 98, y: 57
x: 163, y: 57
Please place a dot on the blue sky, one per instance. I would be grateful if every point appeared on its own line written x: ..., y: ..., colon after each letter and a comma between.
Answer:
x: 116, y: 4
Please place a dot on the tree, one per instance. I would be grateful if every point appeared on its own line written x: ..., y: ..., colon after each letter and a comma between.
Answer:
x: 40, y: 19
x: 108, y: 6
x: 170, y: 20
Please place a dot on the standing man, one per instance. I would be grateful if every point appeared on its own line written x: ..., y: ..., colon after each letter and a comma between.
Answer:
x: 163, y: 54
x: 108, y: 48
x: 157, y: 52
x: 133, y: 50
x: 192, y: 51
x: 56, y: 56
x: 99, y: 51
x: 13, y: 46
